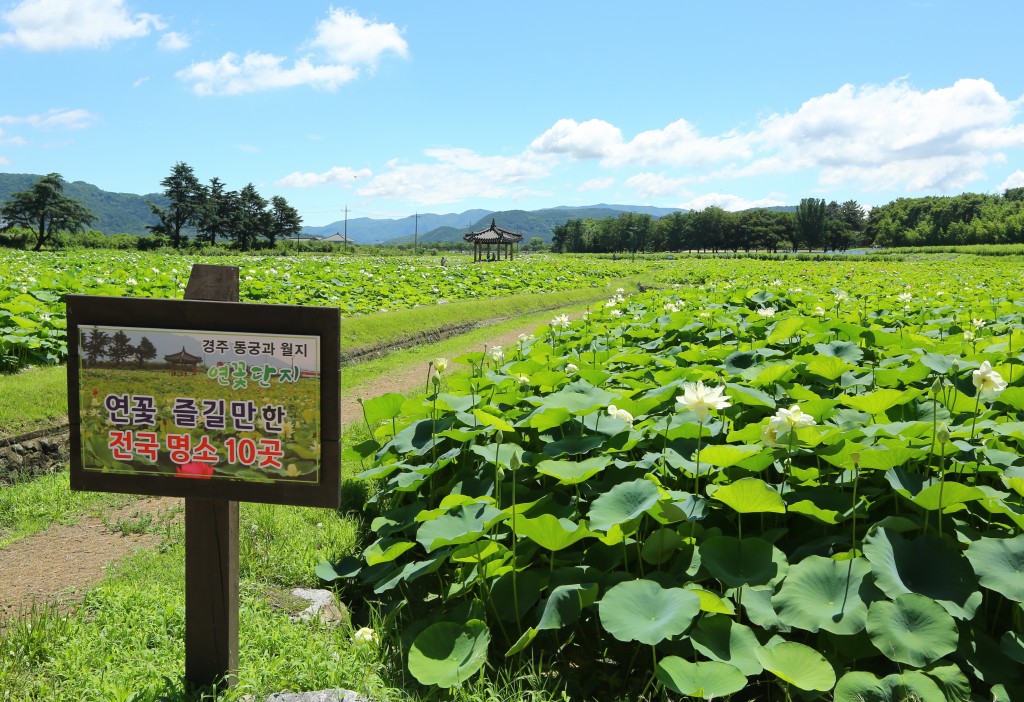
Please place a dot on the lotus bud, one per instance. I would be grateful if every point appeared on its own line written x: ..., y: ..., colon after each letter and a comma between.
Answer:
x: 936, y: 386
x: 435, y: 378
x: 955, y: 366
x: 942, y: 434
x: 514, y: 462
x: 855, y: 457
x: 498, y: 436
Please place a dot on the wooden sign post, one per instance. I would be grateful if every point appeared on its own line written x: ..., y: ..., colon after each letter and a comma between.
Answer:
x: 211, y: 400
x: 211, y: 545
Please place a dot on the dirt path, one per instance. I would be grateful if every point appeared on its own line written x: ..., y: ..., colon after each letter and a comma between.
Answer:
x: 63, y: 562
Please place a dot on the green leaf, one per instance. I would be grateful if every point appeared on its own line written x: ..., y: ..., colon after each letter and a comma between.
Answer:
x: 489, y: 420
x: 750, y: 496
x: 573, y: 472
x: 879, y: 401
x: 861, y: 686
x: 798, y: 665
x: 551, y: 532
x: 999, y: 564
x: 565, y: 603
x: 736, y: 562
x: 728, y: 455
x: 465, y: 525
x: 705, y: 679
x: 827, y: 367
x: 929, y: 566
x: 722, y: 639
x: 912, y: 629
x: 622, y: 503
x: 641, y: 610
x: 821, y: 593
x: 947, y: 494
x: 785, y: 328
x: 383, y: 408
x: 846, y: 350
x: 446, y: 654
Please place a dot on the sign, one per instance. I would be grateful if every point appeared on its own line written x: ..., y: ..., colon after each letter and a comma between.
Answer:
x: 204, y: 399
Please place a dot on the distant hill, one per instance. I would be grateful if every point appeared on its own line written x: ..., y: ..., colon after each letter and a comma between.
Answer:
x: 656, y: 212
x: 116, y: 213
x: 364, y: 230
x: 531, y: 223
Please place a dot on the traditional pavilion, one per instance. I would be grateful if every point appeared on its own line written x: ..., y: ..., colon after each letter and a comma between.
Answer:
x: 182, y: 362
x: 502, y: 239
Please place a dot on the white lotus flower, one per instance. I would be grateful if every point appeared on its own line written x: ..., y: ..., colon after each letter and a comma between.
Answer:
x: 365, y: 637
x: 561, y: 320
x: 571, y: 368
x: 904, y: 297
x: 819, y: 311
x: 702, y: 399
x: 524, y: 380
x: 496, y: 354
x: 766, y: 312
x: 786, y: 420
x: 615, y: 314
x: 842, y: 296
x: 988, y: 382
x: 440, y: 364
x: 770, y: 436
x: 618, y: 413
x: 968, y: 335
x: 978, y: 323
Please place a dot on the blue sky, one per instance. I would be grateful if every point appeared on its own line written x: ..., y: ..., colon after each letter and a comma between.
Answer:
x: 391, y: 108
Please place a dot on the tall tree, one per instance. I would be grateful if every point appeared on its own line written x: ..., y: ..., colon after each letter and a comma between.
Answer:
x: 251, y: 220
x: 810, y: 223
x: 216, y: 213
x: 285, y: 221
x: 45, y: 209
x: 95, y: 345
x: 145, y: 351
x: 186, y: 195
x: 121, y: 348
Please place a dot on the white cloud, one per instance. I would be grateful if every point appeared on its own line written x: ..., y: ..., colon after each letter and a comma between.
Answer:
x: 594, y: 138
x: 248, y: 148
x: 876, y: 137
x: 1014, y: 180
x: 457, y: 174
x: 654, y: 185
x: 733, y: 203
x: 340, y: 175
x: 596, y: 184
x: 55, y: 119
x: 893, y: 136
x: 137, y: 83
x: 173, y: 41
x: 349, y: 39
x: 345, y: 41
x: 4, y: 161
x: 44, y: 25
x: 257, y: 72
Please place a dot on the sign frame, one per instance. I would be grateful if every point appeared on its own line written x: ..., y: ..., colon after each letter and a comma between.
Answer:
x: 224, y: 317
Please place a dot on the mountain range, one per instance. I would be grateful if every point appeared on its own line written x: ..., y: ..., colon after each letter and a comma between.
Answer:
x: 127, y: 213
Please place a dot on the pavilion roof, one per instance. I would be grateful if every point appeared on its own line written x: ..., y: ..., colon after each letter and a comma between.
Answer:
x: 182, y: 356
x: 493, y: 235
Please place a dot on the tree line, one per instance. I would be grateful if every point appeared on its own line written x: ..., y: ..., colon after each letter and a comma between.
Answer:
x: 814, y: 225
x: 117, y: 347
x: 194, y: 212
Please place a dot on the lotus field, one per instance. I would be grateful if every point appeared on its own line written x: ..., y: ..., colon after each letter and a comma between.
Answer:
x: 33, y: 284
x: 765, y: 481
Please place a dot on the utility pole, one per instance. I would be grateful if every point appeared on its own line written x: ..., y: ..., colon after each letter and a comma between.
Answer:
x: 344, y: 243
x: 416, y: 235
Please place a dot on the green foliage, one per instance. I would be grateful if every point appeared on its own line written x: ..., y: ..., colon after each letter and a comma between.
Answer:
x: 848, y: 533
x: 45, y: 210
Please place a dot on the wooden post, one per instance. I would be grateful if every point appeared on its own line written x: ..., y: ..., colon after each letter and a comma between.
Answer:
x: 211, y: 545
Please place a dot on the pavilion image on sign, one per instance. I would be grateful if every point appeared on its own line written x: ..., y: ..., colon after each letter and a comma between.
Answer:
x: 503, y: 239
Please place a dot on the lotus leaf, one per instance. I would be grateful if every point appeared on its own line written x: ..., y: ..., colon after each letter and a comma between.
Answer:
x: 912, y: 629
x: 446, y: 654
x: 999, y: 564
x: 644, y: 611
x: 799, y: 665
x: 705, y: 679
x: 821, y: 593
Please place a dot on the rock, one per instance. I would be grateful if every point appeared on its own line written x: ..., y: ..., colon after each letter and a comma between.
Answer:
x: 322, y: 606
x: 319, y: 696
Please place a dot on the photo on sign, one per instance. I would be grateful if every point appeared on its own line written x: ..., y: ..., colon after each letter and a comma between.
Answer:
x: 200, y: 404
